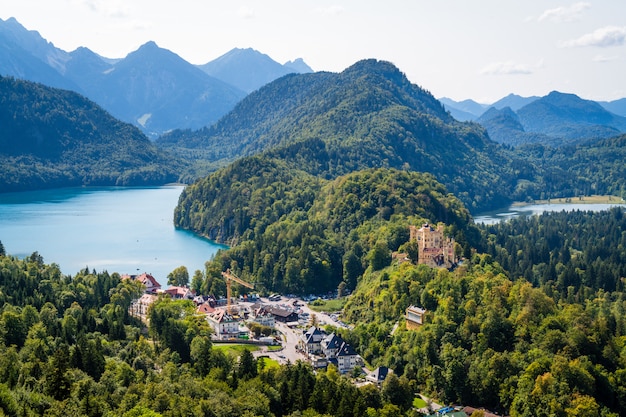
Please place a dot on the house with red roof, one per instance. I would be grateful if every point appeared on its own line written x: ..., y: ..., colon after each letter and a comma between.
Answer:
x: 151, y: 284
x: 179, y: 293
x: 205, y: 308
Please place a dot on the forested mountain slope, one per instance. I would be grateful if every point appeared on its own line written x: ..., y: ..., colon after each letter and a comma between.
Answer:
x: 299, y: 234
x: 588, y: 168
x: 56, y: 138
x: 369, y: 115
x: 492, y: 340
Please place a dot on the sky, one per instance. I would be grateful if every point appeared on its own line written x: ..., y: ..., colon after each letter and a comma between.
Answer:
x: 461, y: 49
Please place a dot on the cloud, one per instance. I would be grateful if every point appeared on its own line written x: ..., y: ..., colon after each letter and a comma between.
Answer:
x: 332, y: 10
x: 603, y: 58
x: 245, y: 12
x: 506, y: 68
x: 603, y: 37
x: 117, y: 9
x: 566, y: 13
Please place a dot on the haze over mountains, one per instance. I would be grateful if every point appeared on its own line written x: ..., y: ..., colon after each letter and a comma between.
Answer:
x: 555, y: 119
x: 152, y: 88
x: 325, y: 124
x: 53, y: 138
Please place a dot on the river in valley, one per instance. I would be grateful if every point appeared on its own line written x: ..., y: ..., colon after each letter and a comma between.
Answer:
x: 117, y: 229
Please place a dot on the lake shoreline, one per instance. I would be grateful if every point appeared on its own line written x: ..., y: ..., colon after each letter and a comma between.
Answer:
x: 128, y: 230
x: 595, y: 203
x: 593, y: 199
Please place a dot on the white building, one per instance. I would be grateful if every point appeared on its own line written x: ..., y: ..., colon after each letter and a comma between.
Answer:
x: 347, y: 358
x: 224, y: 325
x: 264, y: 317
x: 414, y: 317
x: 311, y: 341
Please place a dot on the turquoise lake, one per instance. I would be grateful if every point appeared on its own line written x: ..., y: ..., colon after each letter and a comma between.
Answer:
x: 130, y: 230
x: 117, y: 229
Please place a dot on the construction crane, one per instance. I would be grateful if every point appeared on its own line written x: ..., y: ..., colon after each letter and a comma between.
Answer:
x: 229, y: 278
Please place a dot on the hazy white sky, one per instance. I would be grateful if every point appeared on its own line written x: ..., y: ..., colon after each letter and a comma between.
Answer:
x: 478, y: 49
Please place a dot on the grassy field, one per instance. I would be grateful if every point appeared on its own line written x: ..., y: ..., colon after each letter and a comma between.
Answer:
x: 419, y: 403
x: 592, y: 199
x: 234, y: 348
x: 268, y: 363
x: 328, y: 305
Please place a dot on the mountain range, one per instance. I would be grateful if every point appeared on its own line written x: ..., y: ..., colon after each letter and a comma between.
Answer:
x: 325, y: 124
x: 152, y: 88
x: 158, y: 91
x: 248, y: 69
x: 52, y: 138
x: 469, y: 109
x: 368, y: 116
x: 555, y: 119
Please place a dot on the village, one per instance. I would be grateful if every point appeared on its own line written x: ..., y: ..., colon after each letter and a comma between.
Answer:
x: 287, y: 330
x: 285, y: 322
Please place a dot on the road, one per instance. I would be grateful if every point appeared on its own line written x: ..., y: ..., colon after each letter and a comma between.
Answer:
x: 291, y: 336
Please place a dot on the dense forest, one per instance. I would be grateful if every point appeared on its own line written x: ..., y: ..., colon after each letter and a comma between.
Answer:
x: 534, y: 327
x: 531, y: 323
x: 53, y: 138
x: 68, y: 347
x: 583, y: 169
x: 568, y: 252
x: 493, y: 341
x: 542, y: 346
x: 368, y: 116
x: 300, y: 234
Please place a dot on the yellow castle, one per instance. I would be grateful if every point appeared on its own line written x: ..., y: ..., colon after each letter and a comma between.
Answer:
x: 434, y: 249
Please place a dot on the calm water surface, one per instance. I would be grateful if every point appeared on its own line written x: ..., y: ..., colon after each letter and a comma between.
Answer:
x: 528, y: 210
x: 118, y: 229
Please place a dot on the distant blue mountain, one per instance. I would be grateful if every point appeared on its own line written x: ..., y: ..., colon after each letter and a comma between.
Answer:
x: 471, y: 110
x: 25, y: 54
x: 87, y: 69
x: 152, y: 88
x: 248, y: 69
x: 556, y: 119
x: 617, y: 106
x: 569, y: 116
x: 514, y: 102
x: 464, y: 110
x: 298, y: 66
x: 504, y: 126
x: 158, y: 90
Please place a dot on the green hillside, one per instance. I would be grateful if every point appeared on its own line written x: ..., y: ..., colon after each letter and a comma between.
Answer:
x: 537, y: 323
x: 299, y: 234
x: 593, y: 167
x: 70, y: 346
x: 56, y: 138
x: 367, y: 116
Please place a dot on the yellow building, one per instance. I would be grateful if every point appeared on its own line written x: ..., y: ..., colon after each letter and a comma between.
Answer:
x: 434, y: 249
